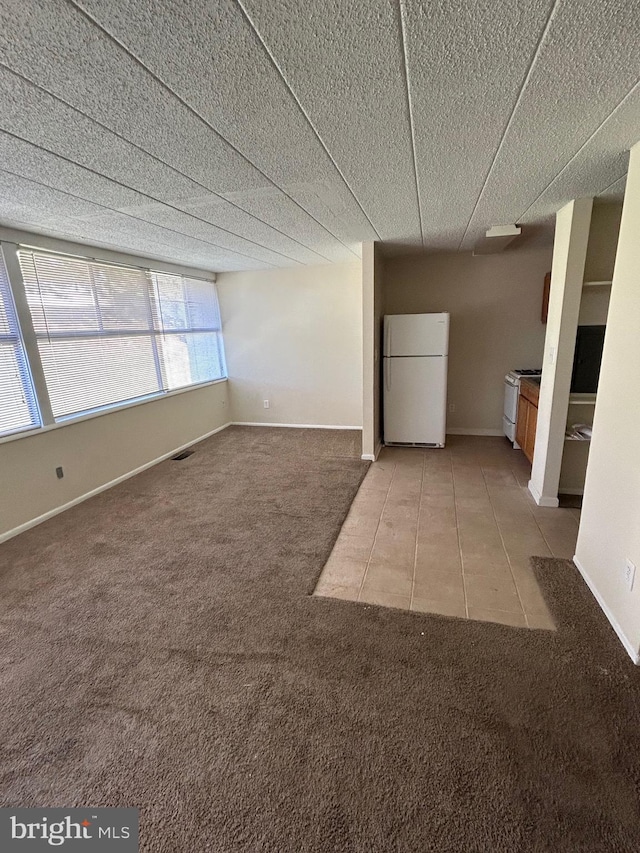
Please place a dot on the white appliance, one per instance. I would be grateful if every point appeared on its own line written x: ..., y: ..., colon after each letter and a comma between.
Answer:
x: 511, y: 395
x: 415, y: 359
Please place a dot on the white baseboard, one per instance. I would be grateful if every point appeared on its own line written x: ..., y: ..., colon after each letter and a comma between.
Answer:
x: 631, y: 651
x: 371, y: 457
x: 541, y: 500
x: 50, y: 514
x: 473, y: 431
x: 294, y: 426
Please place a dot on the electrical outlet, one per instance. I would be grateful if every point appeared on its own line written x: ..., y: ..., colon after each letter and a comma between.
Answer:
x: 59, y: 472
x: 266, y: 404
x: 552, y: 355
x: 452, y: 407
x: 629, y: 574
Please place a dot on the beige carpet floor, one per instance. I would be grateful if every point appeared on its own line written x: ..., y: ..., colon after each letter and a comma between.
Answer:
x: 159, y: 648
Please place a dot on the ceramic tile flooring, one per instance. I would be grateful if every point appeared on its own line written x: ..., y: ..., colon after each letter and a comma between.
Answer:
x: 449, y: 531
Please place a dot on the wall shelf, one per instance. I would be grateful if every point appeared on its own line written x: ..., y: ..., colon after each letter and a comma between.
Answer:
x: 582, y: 399
x: 597, y: 284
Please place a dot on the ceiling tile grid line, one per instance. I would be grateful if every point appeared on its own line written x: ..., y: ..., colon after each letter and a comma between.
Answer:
x: 403, y: 42
x: 136, y: 218
x: 195, y: 112
x: 613, y: 184
x: 164, y: 204
x: 141, y: 250
x: 511, y: 117
x: 149, y: 154
x: 304, y: 112
x: 584, y: 145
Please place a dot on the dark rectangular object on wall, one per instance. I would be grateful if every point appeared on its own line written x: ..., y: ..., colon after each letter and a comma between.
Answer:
x: 587, y: 359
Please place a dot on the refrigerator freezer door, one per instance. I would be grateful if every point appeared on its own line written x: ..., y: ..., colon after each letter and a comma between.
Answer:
x: 415, y: 398
x: 416, y: 334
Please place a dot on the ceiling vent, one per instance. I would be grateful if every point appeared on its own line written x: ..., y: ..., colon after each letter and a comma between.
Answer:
x: 497, y: 239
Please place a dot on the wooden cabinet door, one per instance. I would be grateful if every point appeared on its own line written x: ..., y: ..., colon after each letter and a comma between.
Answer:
x: 521, y: 425
x: 530, y: 441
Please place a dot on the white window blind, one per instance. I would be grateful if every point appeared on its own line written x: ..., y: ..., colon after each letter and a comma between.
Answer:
x: 18, y: 408
x: 109, y: 334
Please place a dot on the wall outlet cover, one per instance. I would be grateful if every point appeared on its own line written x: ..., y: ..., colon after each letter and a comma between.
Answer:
x: 629, y: 574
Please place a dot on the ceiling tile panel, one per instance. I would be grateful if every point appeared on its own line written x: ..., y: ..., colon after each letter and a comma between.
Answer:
x: 74, y: 182
x: 53, y: 205
x: 615, y: 191
x: 269, y: 202
x: 583, y: 71
x: 99, y: 79
x: 343, y: 59
x: 226, y: 75
x: 55, y: 46
x: 33, y: 114
x: 467, y: 62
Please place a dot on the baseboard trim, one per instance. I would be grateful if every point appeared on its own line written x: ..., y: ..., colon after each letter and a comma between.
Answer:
x: 541, y: 500
x: 53, y: 512
x: 371, y: 457
x: 294, y: 426
x: 473, y: 431
x: 633, y: 653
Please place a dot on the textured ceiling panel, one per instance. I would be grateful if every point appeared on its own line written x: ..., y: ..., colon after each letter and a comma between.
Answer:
x: 237, y: 89
x: 54, y: 205
x: 615, y: 191
x: 55, y: 46
x: 467, y: 63
x: 584, y: 70
x: 342, y: 59
x: 238, y: 134
x: 598, y: 165
x: 74, y: 182
x: 30, y: 113
x: 269, y: 202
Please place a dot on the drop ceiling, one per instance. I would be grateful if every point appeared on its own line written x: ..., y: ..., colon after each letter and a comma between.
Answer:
x: 242, y: 134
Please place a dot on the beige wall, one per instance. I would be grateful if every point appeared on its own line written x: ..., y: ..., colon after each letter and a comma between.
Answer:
x: 98, y: 450
x: 372, y: 313
x: 610, y: 523
x: 603, y: 241
x: 601, y: 255
x: 294, y: 337
x: 495, y: 303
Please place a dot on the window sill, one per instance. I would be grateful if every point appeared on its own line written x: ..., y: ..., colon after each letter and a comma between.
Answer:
x: 107, y: 410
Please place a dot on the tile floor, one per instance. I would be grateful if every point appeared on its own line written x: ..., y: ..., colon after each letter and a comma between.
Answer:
x: 449, y: 531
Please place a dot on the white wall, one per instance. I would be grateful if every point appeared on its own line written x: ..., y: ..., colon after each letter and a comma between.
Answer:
x: 495, y: 303
x: 610, y: 522
x: 96, y: 451
x: 294, y: 337
x: 567, y: 276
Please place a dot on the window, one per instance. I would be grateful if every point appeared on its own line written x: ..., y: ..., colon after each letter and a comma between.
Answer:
x: 18, y: 407
x: 109, y: 334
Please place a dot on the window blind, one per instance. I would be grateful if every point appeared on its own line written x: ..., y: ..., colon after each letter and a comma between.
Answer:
x: 18, y: 408
x: 109, y: 334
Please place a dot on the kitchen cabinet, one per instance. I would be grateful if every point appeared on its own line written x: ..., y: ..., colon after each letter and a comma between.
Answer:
x: 527, y: 422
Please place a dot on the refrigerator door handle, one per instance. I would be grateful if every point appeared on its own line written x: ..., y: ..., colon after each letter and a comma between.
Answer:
x: 387, y: 378
x: 388, y: 345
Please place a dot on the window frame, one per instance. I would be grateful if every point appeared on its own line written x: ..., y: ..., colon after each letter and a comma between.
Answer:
x: 29, y: 338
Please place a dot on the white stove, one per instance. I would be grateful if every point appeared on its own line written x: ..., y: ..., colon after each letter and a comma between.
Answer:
x: 511, y: 394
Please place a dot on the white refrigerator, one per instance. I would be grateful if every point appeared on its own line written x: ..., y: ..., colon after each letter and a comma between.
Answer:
x: 414, y: 377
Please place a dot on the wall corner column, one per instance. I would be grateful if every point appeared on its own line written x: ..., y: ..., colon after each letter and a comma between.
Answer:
x: 567, y: 277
